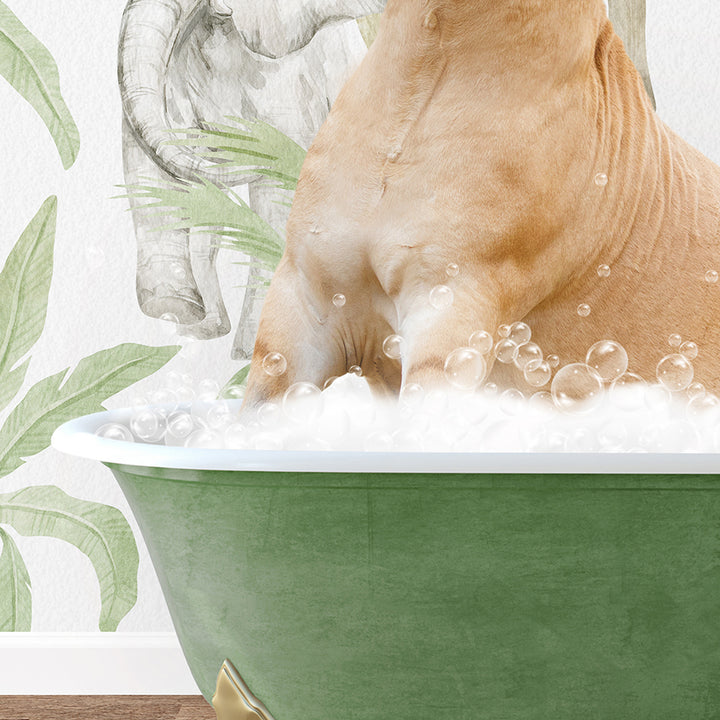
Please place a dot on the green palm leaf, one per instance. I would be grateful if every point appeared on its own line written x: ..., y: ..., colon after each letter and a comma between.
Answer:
x: 24, y: 288
x: 60, y: 397
x: 248, y: 145
x: 202, y: 206
x: 28, y: 66
x: 239, y: 379
x: 15, y: 594
x: 99, y: 531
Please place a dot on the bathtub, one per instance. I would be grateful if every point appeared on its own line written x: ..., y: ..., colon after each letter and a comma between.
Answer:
x: 360, y: 586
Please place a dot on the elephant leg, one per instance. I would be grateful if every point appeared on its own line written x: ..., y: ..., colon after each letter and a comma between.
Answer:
x: 165, y: 283
x: 203, y: 255
x: 628, y: 19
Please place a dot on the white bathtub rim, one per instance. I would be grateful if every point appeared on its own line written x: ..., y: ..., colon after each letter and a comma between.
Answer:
x: 77, y: 437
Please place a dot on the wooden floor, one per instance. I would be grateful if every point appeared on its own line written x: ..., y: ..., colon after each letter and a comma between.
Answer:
x: 105, y: 707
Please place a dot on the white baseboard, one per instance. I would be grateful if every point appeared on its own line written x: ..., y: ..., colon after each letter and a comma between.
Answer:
x: 93, y: 664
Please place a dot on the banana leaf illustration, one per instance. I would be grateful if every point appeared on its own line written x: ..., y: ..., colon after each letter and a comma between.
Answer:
x: 15, y: 593
x: 99, y: 531
x: 28, y: 66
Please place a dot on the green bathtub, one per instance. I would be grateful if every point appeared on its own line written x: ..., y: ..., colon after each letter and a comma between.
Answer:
x: 405, y: 586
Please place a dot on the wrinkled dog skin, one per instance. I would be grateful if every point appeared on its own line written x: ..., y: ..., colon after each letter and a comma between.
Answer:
x: 473, y: 133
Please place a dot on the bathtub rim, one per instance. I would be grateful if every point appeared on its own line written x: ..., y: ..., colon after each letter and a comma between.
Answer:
x: 77, y: 437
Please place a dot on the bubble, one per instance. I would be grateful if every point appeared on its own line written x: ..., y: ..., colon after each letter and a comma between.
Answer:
x: 234, y: 392
x: 178, y: 271
x: 180, y: 425
x: 269, y: 414
x: 452, y: 269
x: 504, y: 331
x: 481, y: 341
x: 512, y: 402
x: 526, y: 353
x: 274, y: 364
x: 520, y: 333
x: 695, y: 389
x: 378, y: 441
x: 115, y: 431
x: 173, y: 380
x: 394, y: 346
x: 608, y: 358
x: 405, y: 440
x: 601, y: 179
x: 702, y: 404
x: 146, y: 425
x: 675, y: 372
x: 355, y: 370
x: 689, y: 350
x: 541, y: 402
x: 208, y: 389
x: 537, y: 373
x: 490, y: 389
x: 603, y: 271
x: 711, y: 276
x: 582, y: 440
x: 267, y: 441
x: 441, y: 297
x: 219, y: 416
x: 465, y: 368
x: 675, y: 340
x: 577, y: 388
x: 583, y: 310
x: 302, y: 402
x: 628, y: 391
x: 412, y: 395
x: 657, y: 398
x: 339, y: 300
x: 94, y: 256
x: 613, y: 436
x: 203, y: 438
x: 185, y: 394
x: 506, y: 351
x: 236, y: 436
x: 164, y: 401
x: 553, y: 361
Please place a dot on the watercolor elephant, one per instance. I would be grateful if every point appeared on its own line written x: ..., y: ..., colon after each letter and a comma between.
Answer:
x: 515, y: 142
x: 186, y: 63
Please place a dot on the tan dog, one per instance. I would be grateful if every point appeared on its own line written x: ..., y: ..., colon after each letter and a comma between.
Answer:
x: 477, y: 132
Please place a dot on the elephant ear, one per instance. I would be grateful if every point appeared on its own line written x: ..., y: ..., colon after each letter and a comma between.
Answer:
x: 28, y: 66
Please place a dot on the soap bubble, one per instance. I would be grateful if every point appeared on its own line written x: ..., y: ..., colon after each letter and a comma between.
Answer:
x: 689, y: 350
x: 675, y: 340
x: 504, y: 331
x: 657, y: 398
x: 702, y: 404
x: 234, y: 392
x: 481, y: 341
x: 268, y: 414
x: 577, y: 388
x: 465, y: 368
x: 274, y: 364
x: 608, y: 358
x: 628, y: 391
x: 441, y: 297
x: 452, y: 269
x: 302, y: 402
x: 527, y: 352
x: 203, y: 438
x: 405, y: 440
x: 146, y: 425
x: 520, y: 333
x: 329, y: 382
x: 583, y: 310
x: 601, y: 179
x: 185, y: 394
x: 490, y: 389
x: 339, y: 300
x: 267, y: 441
x: 537, y: 373
x: 180, y: 425
x: 115, y: 431
x: 164, y: 401
x: 582, y: 440
x: 603, y: 271
x: 541, y: 402
x: 675, y: 372
x: 695, y: 389
x: 208, y: 389
x: 612, y: 436
x: 236, y: 436
x: 219, y: 415
x: 512, y: 402
x: 355, y: 370
x: 506, y: 351
x: 378, y: 441
x: 394, y: 346
x: 711, y: 276
x: 553, y: 361
x: 412, y: 395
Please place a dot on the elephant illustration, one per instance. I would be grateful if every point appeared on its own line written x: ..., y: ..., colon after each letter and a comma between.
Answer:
x: 189, y: 63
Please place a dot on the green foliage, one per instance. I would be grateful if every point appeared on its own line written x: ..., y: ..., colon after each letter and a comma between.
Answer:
x: 24, y: 288
x: 248, y: 145
x: 30, y: 69
x: 15, y: 593
x: 238, y: 380
x: 203, y: 207
x: 99, y: 531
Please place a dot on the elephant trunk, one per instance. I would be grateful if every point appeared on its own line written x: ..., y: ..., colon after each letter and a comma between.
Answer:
x: 150, y: 31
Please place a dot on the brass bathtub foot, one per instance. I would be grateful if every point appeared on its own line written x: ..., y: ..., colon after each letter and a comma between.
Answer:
x: 233, y: 700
